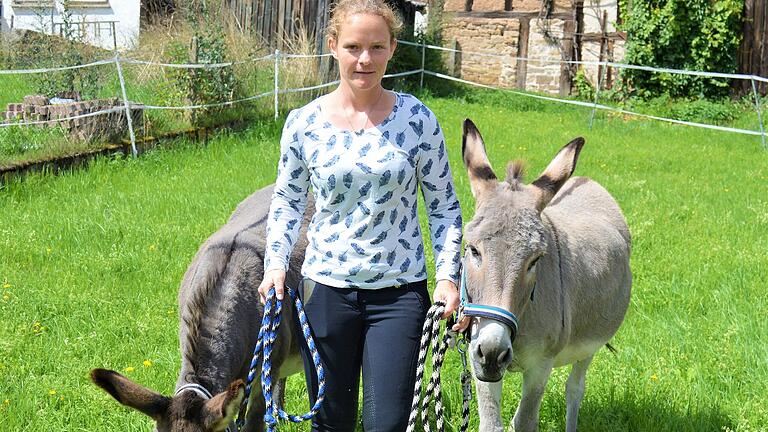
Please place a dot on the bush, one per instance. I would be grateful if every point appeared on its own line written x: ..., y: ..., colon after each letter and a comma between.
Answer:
x: 202, y: 86
x: 701, y: 35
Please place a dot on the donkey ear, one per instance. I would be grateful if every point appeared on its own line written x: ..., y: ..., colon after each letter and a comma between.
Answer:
x: 221, y: 410
x: 131, y: 394
x: 481, y: 175
x: 557, y: 172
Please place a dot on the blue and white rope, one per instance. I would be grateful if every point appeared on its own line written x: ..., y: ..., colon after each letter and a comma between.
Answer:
x: 270, y: 323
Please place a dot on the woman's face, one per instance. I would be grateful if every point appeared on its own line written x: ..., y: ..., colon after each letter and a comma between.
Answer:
x: 363, y: 48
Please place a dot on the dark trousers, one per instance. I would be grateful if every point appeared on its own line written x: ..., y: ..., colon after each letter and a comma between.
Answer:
x: 376, y: 331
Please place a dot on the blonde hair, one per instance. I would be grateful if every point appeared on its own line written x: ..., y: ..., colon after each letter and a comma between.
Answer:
x: 345, y: 8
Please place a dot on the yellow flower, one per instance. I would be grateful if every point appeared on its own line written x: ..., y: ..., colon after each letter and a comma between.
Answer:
x: 129, y: 369
x: 51, y: 392
x: 6, y: 297
x: 48, y: 250
x: 6, y: 285
x: 654, y: 377
x: 152, y: 247
x: 7, y: 401
x: 147, y: 363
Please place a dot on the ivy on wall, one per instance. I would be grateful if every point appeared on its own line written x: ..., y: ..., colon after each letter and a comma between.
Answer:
x: 701, y: 35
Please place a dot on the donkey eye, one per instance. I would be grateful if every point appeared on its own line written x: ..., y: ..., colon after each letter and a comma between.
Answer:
x: 474, y: 255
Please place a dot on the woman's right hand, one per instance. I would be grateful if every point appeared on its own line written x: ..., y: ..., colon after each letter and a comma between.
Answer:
x: 273, y: 278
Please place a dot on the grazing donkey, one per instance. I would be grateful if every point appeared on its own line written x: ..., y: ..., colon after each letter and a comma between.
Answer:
x: 555, y: 253
x: 220, y: 316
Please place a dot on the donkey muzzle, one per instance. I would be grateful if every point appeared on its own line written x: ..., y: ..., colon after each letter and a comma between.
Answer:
x: 491, y: 350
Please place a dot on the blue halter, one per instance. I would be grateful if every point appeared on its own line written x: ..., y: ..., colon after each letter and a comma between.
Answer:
x: 484, y: 311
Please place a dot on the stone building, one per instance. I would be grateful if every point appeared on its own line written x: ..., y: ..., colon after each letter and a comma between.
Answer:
x: 515, y: 30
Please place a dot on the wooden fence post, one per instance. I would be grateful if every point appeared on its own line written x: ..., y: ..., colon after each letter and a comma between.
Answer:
x: 521, y: 72
x: 454, y: 59
x: 565, y: 67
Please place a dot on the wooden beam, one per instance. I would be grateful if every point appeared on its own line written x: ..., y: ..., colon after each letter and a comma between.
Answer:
x: 521, y: 72
x: 565, y: 68
x: 579, y: 9
x: 510, y: 15
x: 597, y: 37
x: 507, y: 5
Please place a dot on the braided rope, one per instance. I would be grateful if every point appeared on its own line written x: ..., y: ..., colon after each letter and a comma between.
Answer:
x: 263, y: 352
x: 433, y: 391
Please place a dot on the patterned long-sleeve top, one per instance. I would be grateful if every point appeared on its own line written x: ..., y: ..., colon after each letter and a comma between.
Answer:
x: 365, y: 232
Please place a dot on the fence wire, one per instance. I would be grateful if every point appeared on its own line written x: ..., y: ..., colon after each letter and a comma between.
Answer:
x: 277, y: 57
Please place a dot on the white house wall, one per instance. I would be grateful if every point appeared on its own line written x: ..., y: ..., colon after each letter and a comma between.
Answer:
x: 125, y: 13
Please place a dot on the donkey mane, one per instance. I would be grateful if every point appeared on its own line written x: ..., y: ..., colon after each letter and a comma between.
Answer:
x: 515, y: 174
x: 197, y: 307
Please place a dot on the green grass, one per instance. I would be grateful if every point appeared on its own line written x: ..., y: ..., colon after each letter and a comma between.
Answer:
x: 91, y: 261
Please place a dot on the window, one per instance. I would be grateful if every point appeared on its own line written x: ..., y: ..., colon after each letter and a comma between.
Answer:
x: 88, y: 3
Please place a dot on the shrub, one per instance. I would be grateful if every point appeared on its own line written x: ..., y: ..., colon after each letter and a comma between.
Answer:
x: 701, y: 35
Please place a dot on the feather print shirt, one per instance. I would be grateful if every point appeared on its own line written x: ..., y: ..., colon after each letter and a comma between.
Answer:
x: 365, y: 232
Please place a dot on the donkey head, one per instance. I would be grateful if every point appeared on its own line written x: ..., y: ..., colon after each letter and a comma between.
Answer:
x: 187, y: 411
x: 504, y: 241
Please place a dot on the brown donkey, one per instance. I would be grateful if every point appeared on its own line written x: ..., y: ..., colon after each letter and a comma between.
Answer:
x: 220, y: 316
x: 556, y: 254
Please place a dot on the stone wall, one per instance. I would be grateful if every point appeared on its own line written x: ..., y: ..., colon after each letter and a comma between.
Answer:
x: 110, y: 126
x: 501, y: 36
x: 498, y: 36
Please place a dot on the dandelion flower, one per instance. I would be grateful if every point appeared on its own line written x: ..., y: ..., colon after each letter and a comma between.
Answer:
x: 152, y: 247
x: 51, y: 392
x: 6, y: 297
x: 147, y: 363
x: 6, y: 285
x: 654, y: 377
x: 129, y: 369
x: 48, y: 250
x: 7, y: 401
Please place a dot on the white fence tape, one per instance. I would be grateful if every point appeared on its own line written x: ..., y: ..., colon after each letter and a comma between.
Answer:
x: 303, y: 89
x: 210, y: 105
x: 197, y: 65
x: 598, y: 106
x: 305, y: 55
x: 55, y: 69
x: 591, y: 63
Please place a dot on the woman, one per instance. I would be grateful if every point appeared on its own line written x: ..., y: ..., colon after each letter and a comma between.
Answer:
x: 364, y: 151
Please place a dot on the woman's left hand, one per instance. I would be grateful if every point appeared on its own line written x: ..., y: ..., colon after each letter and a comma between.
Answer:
x: 447, y: 292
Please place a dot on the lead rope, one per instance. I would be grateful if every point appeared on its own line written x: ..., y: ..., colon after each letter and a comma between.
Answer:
x: 439, y: 345
x: 263, y: 351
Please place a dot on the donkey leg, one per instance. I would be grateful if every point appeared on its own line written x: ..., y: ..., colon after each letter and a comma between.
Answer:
x: 534, y: 383
x: 254, y: 421
x: 278, y: 392
x: 489, y: 406
x: 574, y: 392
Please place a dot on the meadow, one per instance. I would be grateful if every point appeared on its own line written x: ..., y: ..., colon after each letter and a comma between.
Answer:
x: 91, y: 261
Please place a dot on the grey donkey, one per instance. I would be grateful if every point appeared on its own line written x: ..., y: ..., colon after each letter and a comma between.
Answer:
x: 220, y: 316
x: 556, y: 254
